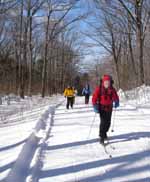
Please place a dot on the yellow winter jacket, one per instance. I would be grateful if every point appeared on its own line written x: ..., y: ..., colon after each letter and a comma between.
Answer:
x: 69, y: 92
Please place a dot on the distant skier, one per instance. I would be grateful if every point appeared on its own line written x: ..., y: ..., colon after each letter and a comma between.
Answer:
x: 103, y: 98
x: 86, y: 92
x: 70, y: 94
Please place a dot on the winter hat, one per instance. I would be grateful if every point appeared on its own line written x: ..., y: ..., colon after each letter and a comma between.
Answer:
x: 106, y: 78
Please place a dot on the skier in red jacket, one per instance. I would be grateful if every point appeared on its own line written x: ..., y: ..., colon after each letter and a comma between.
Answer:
x: 103, y: 99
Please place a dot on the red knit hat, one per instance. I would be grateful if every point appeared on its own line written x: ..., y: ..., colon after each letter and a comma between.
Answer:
x: 106, y: 78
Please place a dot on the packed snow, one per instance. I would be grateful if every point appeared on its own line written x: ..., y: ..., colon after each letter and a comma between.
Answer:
x: 52, y: 144
x: 19, y: 120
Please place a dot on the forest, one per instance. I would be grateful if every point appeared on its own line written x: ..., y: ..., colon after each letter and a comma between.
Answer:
x: 42, y: 44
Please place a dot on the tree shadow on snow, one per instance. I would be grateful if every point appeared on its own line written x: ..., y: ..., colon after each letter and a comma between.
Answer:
x: 74, y: 118
x: 91, y: 107
x: 74, y: 112
x: 141, y: 180
x: 129, y: 137
x: 73, y: 144
x: 76, y: 123
x: 121, y: 168
x: 113, y: 139
x: 75, y: 108
x: 6, y: 167
x: 121, y: 164
x: 13, y: 145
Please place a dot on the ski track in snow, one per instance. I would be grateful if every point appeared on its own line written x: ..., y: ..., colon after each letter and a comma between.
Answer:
x: 20, y: 135
x: 53, y: 145
x: 69, y: 156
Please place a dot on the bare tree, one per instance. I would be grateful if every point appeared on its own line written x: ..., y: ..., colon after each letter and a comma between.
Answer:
x: 59, y: 25
x: 141, y: 26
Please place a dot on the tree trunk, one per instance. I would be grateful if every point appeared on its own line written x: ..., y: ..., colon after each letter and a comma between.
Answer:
x: 117, y: 72
x: 140, y: 42
x: 45, y: 58
x: 130, y: 46
x: 62, y: 68
x: 116, y: 52
x: 20, y: 50
x: 30, y: 58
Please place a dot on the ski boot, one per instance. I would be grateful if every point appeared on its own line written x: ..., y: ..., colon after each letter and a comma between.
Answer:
x: 102, y: 141
x: 105, y: 137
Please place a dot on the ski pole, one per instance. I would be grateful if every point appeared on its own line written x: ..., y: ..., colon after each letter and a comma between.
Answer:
x: 113, y: 123
x: 91, y: 126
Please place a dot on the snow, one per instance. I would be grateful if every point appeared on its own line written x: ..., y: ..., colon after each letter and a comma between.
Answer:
x: 70, y: 156
x: 16, y: 127
x: 52, y: 144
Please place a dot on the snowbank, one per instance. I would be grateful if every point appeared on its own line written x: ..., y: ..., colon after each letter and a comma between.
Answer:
x: 23, y: 127
x: 137, y: 96
x: 22, y: 166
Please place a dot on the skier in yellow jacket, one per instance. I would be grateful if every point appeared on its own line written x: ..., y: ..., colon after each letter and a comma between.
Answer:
x: 70, y: 94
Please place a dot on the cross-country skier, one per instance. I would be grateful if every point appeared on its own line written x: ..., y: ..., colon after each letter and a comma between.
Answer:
x: 70, y: 94
x: 86, y: 92
x: 103, y: 99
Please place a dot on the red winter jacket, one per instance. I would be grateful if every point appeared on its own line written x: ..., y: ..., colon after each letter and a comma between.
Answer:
x: 105, y: 97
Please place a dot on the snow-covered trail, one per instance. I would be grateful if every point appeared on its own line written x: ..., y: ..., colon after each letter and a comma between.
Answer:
x: 18, y: 128
x: 71, y: 155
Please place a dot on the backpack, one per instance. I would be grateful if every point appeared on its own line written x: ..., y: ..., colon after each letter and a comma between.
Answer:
x: 87, y: 91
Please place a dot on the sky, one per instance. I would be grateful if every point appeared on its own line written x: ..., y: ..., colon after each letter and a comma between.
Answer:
x: 91, y: 52
x: 95, y: 52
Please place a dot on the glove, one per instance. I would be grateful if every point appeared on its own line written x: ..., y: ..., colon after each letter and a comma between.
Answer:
x: 116, y: 104
x: 96, y: 108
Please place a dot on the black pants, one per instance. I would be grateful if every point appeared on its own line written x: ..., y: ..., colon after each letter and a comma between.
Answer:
x: 105, y: 123
x: 87, y: 97
x: 74, y: 100
x: 70, y: 102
